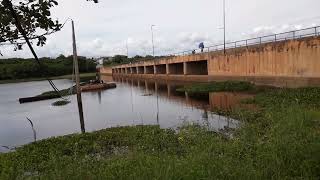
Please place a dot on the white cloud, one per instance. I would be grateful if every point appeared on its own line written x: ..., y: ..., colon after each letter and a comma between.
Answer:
x: 102, y: 29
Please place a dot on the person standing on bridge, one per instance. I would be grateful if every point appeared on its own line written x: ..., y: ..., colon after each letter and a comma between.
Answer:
x: 201, y: 46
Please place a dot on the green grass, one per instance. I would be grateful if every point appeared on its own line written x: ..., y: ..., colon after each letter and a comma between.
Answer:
x: 227, y: 86
x: 83, y: 77
x: 281, y: 140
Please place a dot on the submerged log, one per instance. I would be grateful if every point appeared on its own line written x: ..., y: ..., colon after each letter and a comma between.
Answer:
x: 95, y: 87
x: 37, y: 98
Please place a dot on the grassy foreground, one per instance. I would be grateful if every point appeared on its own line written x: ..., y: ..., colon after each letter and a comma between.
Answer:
x: 279, y: 141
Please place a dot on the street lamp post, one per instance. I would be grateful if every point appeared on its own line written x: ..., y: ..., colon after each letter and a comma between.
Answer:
x: 156, y: 86
x: 127, y: 48
x: 224, y: 27
x: 152, y: 39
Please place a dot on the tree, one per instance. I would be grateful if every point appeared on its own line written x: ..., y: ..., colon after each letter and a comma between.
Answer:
x: 119, y: 59
x: 34, y: 17
x: 61, y: 56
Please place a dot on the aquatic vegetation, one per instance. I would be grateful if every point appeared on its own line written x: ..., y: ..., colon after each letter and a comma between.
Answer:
x: 281, y: 140
x: 227, y: 86
x: 63, y: 92
x: 61, y: 103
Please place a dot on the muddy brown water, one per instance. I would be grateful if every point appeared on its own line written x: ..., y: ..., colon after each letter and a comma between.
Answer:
x: 133, y: 102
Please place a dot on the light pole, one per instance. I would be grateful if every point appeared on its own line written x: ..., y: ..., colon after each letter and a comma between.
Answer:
x: 152, y: 39
x: 127, y: 49
x: 224, y: 27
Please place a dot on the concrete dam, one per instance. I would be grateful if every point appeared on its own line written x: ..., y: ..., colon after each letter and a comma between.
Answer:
x: 287, y: 63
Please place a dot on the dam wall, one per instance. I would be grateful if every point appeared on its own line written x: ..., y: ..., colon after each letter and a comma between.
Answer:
x: 291, y: 63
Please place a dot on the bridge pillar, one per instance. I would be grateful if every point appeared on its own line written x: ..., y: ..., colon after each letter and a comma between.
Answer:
x: 167, y: 69
x: 154, y: 69
x: 185, y: 68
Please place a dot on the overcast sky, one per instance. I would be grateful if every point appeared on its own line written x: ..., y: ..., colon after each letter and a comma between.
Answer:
x: 103, y: 29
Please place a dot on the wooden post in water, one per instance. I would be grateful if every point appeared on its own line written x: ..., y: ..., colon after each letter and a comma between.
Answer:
x: 79, y: 99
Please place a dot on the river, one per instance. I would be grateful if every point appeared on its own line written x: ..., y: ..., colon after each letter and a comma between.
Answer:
x: 133, y: 102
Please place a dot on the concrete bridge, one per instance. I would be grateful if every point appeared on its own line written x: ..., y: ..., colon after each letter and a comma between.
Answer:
x: 292, y: 63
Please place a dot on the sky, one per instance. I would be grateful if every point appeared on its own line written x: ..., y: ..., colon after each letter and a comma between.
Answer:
x: 105, y: 28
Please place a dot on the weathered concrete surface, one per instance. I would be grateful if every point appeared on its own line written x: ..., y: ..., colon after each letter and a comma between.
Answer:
x: 294, y: 58
x: 291, y: 63
x: 260, y: 80
x: 107, y: 71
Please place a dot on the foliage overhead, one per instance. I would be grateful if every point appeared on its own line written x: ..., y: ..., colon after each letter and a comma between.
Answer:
x: 35, y: 18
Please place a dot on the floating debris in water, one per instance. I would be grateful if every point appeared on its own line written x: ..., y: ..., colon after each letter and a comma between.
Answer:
x: 61, y: 103
x: 147, y: 94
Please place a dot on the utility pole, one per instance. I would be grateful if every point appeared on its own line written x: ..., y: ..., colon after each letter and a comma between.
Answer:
x: 224, y: 27
x: 127, y: 49
x: 75, y: 61
x: 152, y: 39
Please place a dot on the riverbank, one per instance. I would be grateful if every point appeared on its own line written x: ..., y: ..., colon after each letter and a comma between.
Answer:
x: 278, y: 140
x: 226, y: 86
x: 83, y: 77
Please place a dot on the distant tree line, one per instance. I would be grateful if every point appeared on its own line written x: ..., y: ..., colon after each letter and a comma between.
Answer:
x: 121, y: 59
x: 16, y: 68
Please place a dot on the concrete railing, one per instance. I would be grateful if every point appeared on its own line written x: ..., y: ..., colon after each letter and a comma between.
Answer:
x: 290, y: 35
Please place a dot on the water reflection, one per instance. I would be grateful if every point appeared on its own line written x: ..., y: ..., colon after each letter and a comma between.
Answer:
x: 167, y: 91
x: 124, y: 106
x: 227, y: 100
x: 99, y: 96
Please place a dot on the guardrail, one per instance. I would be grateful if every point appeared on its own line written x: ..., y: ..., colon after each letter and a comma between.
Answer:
x: 290, y: 35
